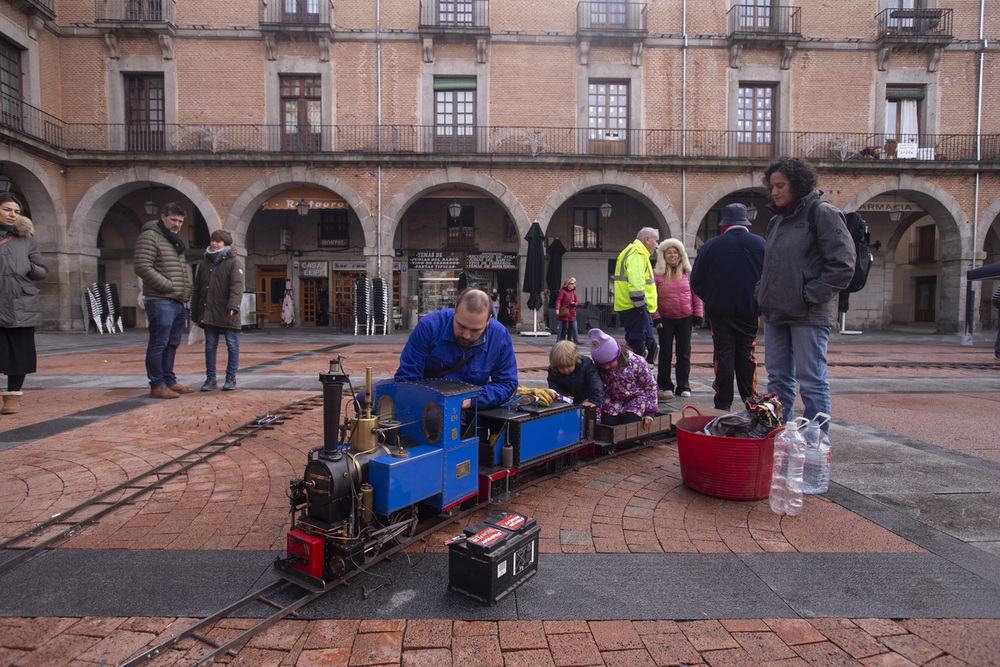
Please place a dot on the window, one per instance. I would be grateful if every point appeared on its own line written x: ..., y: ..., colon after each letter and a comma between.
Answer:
x: 902, y: 113
x: 585, y: 229
x: 333, y: 229
x: 755, y: 15
x: 300, y: 11
x: 301, y: 113
x: 900, y: 21
x: 455, y: 12
x: 10, y: 84
x: 144, y: 10
x: 755, y: 120
x: 607, y: 117
x: 144, y: 112
x: 455, y: 114
x: 462, y: 230
x: 607, y: 14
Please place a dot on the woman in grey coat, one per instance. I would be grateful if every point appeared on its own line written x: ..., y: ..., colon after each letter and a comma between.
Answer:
x: 215, y: 305
x: 20, y: 310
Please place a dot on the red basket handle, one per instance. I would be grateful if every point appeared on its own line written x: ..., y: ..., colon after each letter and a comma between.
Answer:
x: 693, y: 408
x: 780, y: 428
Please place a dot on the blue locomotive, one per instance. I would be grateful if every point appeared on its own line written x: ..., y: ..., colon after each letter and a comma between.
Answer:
x: 411, y: 447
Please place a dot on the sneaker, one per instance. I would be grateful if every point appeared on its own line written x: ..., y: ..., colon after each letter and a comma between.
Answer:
x: 664, y: 395
x: 210, y: 385
x: 230, y: 384
x: 686, y: 394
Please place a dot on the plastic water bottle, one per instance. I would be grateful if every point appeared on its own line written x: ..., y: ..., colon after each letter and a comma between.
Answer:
x: 786, y: 473
x: 816, y: 473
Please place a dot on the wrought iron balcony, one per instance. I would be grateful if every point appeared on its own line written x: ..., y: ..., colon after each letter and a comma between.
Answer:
x: 146, y: 14
x: 611, y: 18
x: 915, y: 27
x: 25, y: 122
x: 306, y: 16
x: 45, y: 8
x: 764, y: 23
x: 455, y: 16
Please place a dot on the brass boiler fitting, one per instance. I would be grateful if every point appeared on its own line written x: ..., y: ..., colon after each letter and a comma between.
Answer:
x: 365, y: 431
x: 367, y: 497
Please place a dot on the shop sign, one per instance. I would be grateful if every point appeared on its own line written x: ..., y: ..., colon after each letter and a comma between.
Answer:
x: 883, y: 206
x: 431, y: 259
x: 350, y: 266
x: 491, y: 260
x: 317, y: 198
x: 312, y: 269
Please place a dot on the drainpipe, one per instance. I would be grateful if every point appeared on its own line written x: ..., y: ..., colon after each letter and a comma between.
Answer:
x: 684, y: 70
x: 970, y: 291
x: 378, y: 168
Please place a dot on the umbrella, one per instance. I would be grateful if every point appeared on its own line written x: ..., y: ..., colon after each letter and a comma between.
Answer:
x: 534, y: 267
x: 988, y: 272
x: 553, y: 275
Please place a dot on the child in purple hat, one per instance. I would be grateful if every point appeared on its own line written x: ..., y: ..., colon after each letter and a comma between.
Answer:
x: 629, y: 386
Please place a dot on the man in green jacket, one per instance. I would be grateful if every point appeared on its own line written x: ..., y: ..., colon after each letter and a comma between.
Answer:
x: 166, y: 287
x: 635, y: 293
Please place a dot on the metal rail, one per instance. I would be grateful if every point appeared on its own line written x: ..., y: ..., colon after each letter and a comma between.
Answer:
x: 958, y: 365
x: 144, y: 483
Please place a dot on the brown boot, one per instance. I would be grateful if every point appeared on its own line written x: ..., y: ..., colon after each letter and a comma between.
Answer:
x: 11, y: 402
x: 180, y: 389
x: 162, y: 392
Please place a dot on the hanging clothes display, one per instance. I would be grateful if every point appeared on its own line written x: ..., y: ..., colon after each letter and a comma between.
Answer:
x: 288, y: 305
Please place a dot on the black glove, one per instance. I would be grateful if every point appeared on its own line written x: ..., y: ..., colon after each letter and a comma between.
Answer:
x: 697, y: 321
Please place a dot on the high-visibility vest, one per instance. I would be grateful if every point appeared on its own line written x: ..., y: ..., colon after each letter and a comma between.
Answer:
x: 633, y: 279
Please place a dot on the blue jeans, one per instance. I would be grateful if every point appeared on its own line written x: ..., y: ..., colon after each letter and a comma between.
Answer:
x: 165, y: 319
x: 232, y: 347
x: 798, y: 353
x: 568, y: 328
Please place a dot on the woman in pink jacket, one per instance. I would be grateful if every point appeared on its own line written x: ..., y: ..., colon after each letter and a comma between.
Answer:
x: 677, y: 310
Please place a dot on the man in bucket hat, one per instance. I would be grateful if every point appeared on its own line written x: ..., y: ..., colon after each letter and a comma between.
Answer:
x: 725, y: 273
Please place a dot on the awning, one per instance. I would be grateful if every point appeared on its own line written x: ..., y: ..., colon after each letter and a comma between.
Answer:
x: 988, y: 272
x: 315, y: 197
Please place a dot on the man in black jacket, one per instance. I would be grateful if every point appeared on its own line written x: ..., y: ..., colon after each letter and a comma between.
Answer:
x: 724, y: 275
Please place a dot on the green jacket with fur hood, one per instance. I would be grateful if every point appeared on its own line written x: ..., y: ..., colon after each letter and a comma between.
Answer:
x: 218, y: 288
x: 164, y: 273
x: 20, y: 266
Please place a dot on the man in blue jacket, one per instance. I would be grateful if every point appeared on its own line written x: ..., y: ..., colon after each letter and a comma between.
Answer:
x: 463, y: 343
x: 724, y: 276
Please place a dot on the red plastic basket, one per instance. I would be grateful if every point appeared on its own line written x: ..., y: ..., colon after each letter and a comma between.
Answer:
x: 731, y: 468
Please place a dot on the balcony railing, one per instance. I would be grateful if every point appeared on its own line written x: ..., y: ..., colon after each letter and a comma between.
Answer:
x: 134, y: 11
x: 285, y: 14
x: 611, y: 18
x: 44, y: 7
x: 915, y: 25
x: 455, y: 16
x: 19, y: 118
x: 764, y: 21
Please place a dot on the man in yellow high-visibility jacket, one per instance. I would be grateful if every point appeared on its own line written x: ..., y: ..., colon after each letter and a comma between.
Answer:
x: 635, y: 293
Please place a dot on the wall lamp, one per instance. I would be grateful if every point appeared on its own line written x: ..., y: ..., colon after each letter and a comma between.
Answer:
x: 302, y: 207
x: 605, y: 207
x: 454, y: 209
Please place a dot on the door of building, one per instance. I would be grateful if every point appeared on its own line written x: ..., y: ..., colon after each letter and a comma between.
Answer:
x: 315, y: 293
x: 925, y: 310
x: 270, y: 290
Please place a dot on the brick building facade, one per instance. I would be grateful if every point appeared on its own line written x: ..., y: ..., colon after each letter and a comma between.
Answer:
x: 383, y: 116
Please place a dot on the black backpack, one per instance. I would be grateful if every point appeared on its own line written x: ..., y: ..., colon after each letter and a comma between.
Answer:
x: 858, y: 229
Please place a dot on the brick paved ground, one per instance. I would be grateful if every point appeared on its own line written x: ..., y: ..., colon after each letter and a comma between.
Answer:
x: 632, y: 504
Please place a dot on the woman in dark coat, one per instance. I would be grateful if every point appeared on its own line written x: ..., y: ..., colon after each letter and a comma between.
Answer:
x: 20, y: 310
x: 215, y: 305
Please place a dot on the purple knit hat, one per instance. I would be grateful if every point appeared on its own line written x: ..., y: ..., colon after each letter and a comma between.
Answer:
x: 603, y: 348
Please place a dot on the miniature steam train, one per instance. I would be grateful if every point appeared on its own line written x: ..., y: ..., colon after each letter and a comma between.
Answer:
x: 414, y: 448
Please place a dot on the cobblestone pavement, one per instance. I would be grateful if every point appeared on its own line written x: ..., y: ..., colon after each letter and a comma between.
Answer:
x: 916, y: 470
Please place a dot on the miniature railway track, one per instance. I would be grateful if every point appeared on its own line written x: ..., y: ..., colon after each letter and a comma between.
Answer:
x: 888, y: 363
x: 67, y: 523
x: 263, y: 595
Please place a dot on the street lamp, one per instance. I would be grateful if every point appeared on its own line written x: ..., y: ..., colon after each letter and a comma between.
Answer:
x: 4, y: 183
x: 605, y: 207
x: 895, y: 213
x: 151, y: 207
x: 454, y: 209
x: 751, y: 212
x: 302, y: 207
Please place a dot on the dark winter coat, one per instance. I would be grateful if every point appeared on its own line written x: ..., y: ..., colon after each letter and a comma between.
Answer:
x: 583, y: 384
x: 20, y: 266
x: 724, y: 275
x: 805, y: 265
x: 164, y: 273
x: 218, y: 288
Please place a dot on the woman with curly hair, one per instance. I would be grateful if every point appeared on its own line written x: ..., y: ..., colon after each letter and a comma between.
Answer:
x: 808, y: 259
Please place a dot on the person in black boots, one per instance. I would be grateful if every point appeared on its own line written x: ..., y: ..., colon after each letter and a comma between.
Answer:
x: 215, y: 306
x: 21, y: 266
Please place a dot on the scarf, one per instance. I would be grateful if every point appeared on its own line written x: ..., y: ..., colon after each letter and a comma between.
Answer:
x: 789, y: 208
x: 216, y: 255
x: 173, y: 238
x: 7, y: 230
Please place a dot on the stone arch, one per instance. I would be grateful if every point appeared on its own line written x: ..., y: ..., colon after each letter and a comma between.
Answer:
x: 662, y: 210
x: 986, y: 218
x: 43, y: 198
x: 411, y: 192
x: 712, y: 197
x: 253, y: 197
x: 99, y: 199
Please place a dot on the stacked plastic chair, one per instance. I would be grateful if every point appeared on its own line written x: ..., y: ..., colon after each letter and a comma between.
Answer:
x: 381, y: 311
x: 362, y: 306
